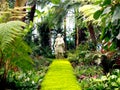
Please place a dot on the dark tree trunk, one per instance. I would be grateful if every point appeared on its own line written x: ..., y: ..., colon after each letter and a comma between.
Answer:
x: 77, y: 37
x: 80, y: 36
x: 65, y: 33
x: 1, y: 58
x: 3, y: 81
x: 44, y: 32
x: 31, y: 14
x: 92, y: 33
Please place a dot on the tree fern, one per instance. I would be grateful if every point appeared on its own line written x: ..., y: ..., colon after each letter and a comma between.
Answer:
x: 9, y: 31
x: 21, y: 55
x: 12, y: 45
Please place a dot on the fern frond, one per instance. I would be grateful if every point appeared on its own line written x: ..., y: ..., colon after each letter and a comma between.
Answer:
x: 13, y: 46
x: 9, y: 32
x: 22, y: 57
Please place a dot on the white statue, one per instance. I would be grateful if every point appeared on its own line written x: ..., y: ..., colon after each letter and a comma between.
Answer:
x: 59, y: 46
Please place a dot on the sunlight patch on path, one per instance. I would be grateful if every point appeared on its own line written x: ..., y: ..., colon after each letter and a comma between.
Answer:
x: 60, y: 76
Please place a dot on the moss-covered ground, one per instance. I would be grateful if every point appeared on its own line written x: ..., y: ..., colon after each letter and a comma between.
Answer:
x: 60, y: 76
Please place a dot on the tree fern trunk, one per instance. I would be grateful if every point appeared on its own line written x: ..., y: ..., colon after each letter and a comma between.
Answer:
x: 65, y: 33
x: 4, y: 81
x: 1, y: 58
x: 6, y: 68
x: 20, y: 3
x: 2, y: 1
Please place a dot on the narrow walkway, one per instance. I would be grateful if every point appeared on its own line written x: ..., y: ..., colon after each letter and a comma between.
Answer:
x: 60, y: 76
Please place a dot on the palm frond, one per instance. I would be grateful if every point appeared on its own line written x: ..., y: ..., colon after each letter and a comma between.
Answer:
x: 9, y: 32
x: 61, y: 10
x: 88, y: 11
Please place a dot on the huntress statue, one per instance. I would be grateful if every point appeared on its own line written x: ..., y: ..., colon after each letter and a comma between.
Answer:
x: 59, y: 47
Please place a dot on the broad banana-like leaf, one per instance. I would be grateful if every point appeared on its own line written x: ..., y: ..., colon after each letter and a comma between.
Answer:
x: 116, y: 14
x: 88, y: 11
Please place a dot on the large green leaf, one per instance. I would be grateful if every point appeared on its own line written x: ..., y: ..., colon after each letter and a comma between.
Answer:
x: 97, y: 1
x: 103, y: 34
x: 97, y: 14
x: 55, y: 1
x: 106, y: 2
x: 107, y: 10
x: 116, y: 14
x: 38, y: 13
x: 89, y: 10
x: 113, y: 46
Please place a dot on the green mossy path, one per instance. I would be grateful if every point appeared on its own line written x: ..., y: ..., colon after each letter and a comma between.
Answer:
x: 60, y: 76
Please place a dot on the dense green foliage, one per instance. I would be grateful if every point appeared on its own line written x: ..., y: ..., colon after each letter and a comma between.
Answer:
x: 43, y: 42
x: 108, y: 82
x: 31, y: 79
x: 14, y: 51
x: 106, y: 15
x: 60, y: 76
x: 109, y: 15
x: 25, y: 80
x: 84, y: 54
x: 93, y: 72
